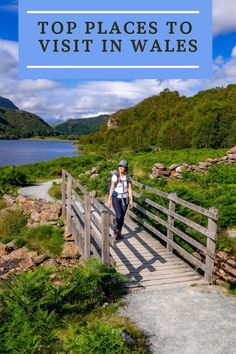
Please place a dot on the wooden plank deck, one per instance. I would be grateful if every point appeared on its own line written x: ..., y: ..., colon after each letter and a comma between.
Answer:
x: 148, y: 264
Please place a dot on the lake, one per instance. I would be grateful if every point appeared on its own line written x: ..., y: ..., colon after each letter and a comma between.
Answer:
x: 20, y: 152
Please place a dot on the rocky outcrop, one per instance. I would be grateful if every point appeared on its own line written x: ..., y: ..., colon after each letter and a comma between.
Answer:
x: 38, y: 211
x: 112, y: 123
x: 175, y: 171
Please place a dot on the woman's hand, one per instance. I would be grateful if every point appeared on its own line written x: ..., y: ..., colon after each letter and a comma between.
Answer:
x: 109, y: 203
x: 131, y: 204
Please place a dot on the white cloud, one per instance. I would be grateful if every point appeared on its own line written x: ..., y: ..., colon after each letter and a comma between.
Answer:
x: 224, y: 16
x: 52, y: 100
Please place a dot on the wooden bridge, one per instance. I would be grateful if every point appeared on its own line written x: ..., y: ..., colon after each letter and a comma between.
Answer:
x: 149, y: 254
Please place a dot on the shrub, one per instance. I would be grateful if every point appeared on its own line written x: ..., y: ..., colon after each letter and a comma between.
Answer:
x: 33, y: 306
x: 11, y: 223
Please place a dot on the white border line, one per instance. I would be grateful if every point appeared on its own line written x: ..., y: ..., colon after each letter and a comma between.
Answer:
x: 113, y: 12
x: 112, y: 67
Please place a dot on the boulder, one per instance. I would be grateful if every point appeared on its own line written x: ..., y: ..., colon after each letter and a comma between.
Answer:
x: 174, y: 166
x: 159, y: 166
x: 70, y: 250
x: 232, y: 156
x: 26, y: 264
x: 232, y: 150
x: 180, y: 168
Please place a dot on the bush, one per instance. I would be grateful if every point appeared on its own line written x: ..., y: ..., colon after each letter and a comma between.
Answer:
x: 33, y: 306
x: 11, y: 223
x: 98, y: 337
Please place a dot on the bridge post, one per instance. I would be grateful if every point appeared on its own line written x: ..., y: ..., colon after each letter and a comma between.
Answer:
x: 63, y: 194
x: 105, y: 237
x: 69, y: 215
x: 87, y: 226
x: 170, y: 222
x: 211, y: 247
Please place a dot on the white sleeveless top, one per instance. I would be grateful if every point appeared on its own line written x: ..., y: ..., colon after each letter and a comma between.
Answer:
x: 121, y: 187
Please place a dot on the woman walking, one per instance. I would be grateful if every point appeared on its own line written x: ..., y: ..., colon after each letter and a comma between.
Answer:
x: 120, y: 195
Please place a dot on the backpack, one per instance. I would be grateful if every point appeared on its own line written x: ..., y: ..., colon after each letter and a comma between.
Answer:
x: 117, y: 175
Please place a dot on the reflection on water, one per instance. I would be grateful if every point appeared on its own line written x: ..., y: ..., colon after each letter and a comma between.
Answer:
x: 20, y: 152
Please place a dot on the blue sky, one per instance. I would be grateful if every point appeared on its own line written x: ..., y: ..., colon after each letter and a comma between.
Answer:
x: 63, y: 99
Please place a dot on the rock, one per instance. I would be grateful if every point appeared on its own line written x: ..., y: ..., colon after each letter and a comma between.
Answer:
x: 35, y: 216
x: 26, y: 264
x: 232, y: 156
x: 204, y: 164
x: 224, y: 158
x: 159, y: 166
x: 20, y: 199
x: 9, y: 199
x: 2, y: 249
x: 10, y: 247
x: 180, y: 168
x: 40, y: 259
x: 95, y: 169
x: 51, y: 263
x: 93, y: 194
x: 228, y: 268
x: 231, y: 262
x: 174, y: 166
x: 163, y: 173
x: 112, y: 123
x: 232, y: 150
x: 210, y: 160
x: 95, y: 175
x: 223, y: 255
x: 191, y: 167
x: 70, y: 250
x: 129, y: 341
x: 176, y: 175
x: 231, y: 232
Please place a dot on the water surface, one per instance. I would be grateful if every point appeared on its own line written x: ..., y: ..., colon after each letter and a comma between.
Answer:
x: 20, y: 152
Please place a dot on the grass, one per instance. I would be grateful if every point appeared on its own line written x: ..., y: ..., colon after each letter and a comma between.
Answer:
x: 55, y: 191
x: 47, y: 239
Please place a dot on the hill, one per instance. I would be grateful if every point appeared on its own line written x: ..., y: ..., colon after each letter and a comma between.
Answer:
x: 4, y: 102
x: 82, y: 126
x: 15, y: 124
x: 171, y: 121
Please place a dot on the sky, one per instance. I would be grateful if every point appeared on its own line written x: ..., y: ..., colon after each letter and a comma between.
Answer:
x: 55, y: 100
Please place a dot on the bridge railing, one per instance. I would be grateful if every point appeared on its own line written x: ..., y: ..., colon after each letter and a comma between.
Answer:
x: 210, y: 232
x: 88, y: 221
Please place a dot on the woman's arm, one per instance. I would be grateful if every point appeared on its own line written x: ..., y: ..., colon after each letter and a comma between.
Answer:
x: 130, y: 195
x: 110, y: 193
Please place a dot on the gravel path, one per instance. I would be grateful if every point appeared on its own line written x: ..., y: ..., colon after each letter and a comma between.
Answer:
x: 39, y: 190
x: 185, y: 320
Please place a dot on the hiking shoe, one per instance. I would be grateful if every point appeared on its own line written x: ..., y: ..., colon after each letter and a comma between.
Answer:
x: 117, y: 234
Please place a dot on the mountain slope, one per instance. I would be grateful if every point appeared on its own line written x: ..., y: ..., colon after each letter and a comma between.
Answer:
x: 6, y: 103
x: 16, y: 124
x: 206, y: 120
x: 82, y: 126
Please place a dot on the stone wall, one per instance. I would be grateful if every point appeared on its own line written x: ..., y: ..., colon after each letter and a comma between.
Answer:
x: 175, y: 170
x: 37, y: 210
